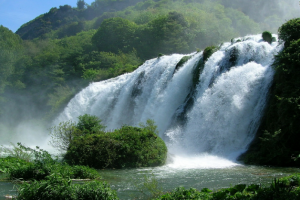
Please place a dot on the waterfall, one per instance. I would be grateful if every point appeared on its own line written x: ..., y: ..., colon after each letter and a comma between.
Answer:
x: 217, y: 114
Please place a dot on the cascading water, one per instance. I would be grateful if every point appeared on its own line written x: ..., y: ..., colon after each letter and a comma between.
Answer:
x: 213, y: 117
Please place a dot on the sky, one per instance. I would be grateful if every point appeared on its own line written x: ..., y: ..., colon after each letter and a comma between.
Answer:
x: 15, y: 13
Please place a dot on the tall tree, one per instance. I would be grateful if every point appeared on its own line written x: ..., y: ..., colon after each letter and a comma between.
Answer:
x: 80, y: 4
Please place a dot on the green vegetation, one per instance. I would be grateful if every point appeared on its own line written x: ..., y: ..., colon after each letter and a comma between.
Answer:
x: 208, y: 51
x: 267, y: 36
x: 40, y: 166
x: 54, y: 56
x: 284, y: 188
x: 60, y: 189
x: 123, y: 148
x: 181, y: 62
x: 49, y: 178
x: 277, y: 141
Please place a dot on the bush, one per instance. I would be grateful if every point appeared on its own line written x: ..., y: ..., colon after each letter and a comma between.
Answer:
x: 42, y: 167
x: 290, y: 30
x: 63, y: 134
x: 182, y: 193
x: 11, y: 162
x: 267, y: 36
x: 284, y: 188
x: 61, y: 189
x: 123, y: 148
x: 89, y: 124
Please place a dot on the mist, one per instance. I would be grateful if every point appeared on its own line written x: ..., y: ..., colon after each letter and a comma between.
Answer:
x: 270, y: 14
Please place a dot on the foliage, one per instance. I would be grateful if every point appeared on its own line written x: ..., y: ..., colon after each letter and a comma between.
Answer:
x: 289, y: 31
x: 62, y: 135
x: 267, y: 36
x: 15, y: 151
x: 41, y: 166
x: 56, y: 188
x: 278, y: 136
x: 183, y: 60
x: 118, y: 34
x: 208, y: 51
x: 284, y: 188
x: 89, y: 124
x: 67, y: 53
x: 11, y: 163
x: 80, y: 4
x: 10, y: 55
x: 122, y: 148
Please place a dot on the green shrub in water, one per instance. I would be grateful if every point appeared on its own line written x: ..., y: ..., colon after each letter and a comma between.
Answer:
x: 267, y: 36
x: 42, y: 166
x: 123, y: 148
x: 60, y: 189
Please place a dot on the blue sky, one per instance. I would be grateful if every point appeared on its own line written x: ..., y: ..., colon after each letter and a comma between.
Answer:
x: 14, y: 13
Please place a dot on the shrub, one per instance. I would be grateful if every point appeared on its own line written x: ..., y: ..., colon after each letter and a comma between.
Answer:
x: 182, y: 193
x: 267, y: 36
x: 40, y: 172
x: 290, y: 30
x: 61, y: 189
x: 284, y: 188
x: 43, y: 166
x: 11, y: 162
x: 63, y: 134
x: 89, y: 124
x: 122, y: 148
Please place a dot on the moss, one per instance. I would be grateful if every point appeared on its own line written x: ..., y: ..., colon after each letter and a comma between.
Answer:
x: 267, y: 36
x: 181, y: 62
x: 208, y: 51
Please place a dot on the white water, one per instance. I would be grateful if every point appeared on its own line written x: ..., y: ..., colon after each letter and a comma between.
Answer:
x: 229, y: 101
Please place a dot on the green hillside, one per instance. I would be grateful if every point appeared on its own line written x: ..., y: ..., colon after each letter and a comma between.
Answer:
x: 49, y: 59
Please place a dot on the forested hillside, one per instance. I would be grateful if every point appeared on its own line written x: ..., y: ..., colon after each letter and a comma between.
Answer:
x: 49, y: 59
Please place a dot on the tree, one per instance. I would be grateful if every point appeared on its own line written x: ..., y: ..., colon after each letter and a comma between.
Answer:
x: 80, y: 4
x: 89, y: 124
x: 115, y: 34
x: 62, y: 135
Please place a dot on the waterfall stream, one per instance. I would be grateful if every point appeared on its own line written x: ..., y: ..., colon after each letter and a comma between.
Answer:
x: 214, y: 116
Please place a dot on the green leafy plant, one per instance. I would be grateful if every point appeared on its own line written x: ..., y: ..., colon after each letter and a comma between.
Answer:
x: 124, y: 147
x: 267, y: 36
x: 16, y: 151
x: 55, y: 187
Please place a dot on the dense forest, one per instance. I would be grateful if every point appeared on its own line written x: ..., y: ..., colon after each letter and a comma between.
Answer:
x: 49, y: 59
